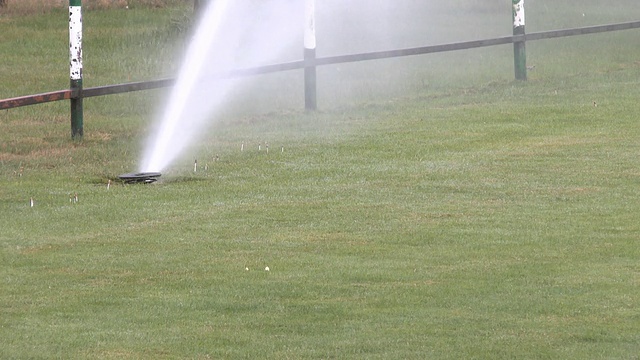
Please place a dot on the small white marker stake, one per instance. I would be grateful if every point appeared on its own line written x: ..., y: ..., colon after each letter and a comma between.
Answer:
x: 242, y: 146
x: 267, y: 145
x: 195, y: 166
x: 31, y: 202
x: 108, y: 184
x: 260, y: 147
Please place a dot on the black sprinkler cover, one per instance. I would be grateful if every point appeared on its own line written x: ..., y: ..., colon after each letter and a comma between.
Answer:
x: 144, y: 177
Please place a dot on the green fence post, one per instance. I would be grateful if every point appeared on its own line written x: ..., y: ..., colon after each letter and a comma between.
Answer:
x: 519, y: 51
x: 75, y: 67
x: 310, y: 83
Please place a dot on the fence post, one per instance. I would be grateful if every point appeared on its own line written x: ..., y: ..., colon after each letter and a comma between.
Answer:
x: 310, y: 90
x: 75, y: 67
x: 519, y: 51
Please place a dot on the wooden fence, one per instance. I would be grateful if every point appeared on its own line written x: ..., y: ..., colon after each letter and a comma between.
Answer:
x: 311, y: 63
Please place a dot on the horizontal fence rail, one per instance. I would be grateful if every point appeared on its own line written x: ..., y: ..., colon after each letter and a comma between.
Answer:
x: 320, y: 61
x: 37, y: 99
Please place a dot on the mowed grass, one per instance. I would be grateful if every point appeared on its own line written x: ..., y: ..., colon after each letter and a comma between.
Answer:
x: 464, y: 215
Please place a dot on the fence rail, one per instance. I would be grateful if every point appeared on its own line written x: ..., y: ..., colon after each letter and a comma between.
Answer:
x: 320, y: 61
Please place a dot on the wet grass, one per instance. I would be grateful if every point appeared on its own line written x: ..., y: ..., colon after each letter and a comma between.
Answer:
x: 456, y: 218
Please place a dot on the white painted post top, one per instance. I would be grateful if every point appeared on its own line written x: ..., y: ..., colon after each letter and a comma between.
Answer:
x: 75, y: 42
x: 310, y: 25
x: 518, y: 13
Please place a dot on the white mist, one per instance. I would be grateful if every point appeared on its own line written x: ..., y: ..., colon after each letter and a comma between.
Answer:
x: 231, y: 34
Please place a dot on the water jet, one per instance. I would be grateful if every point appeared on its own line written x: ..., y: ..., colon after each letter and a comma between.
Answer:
x: 231, y: 34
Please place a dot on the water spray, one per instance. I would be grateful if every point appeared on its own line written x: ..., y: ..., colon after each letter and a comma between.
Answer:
x: 221, y: 44
x: 171, y: 136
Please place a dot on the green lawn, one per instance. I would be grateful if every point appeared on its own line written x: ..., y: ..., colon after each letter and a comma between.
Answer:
x: 432, y: 207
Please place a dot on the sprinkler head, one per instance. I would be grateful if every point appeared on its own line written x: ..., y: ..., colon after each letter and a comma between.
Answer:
x: 144, y: 177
